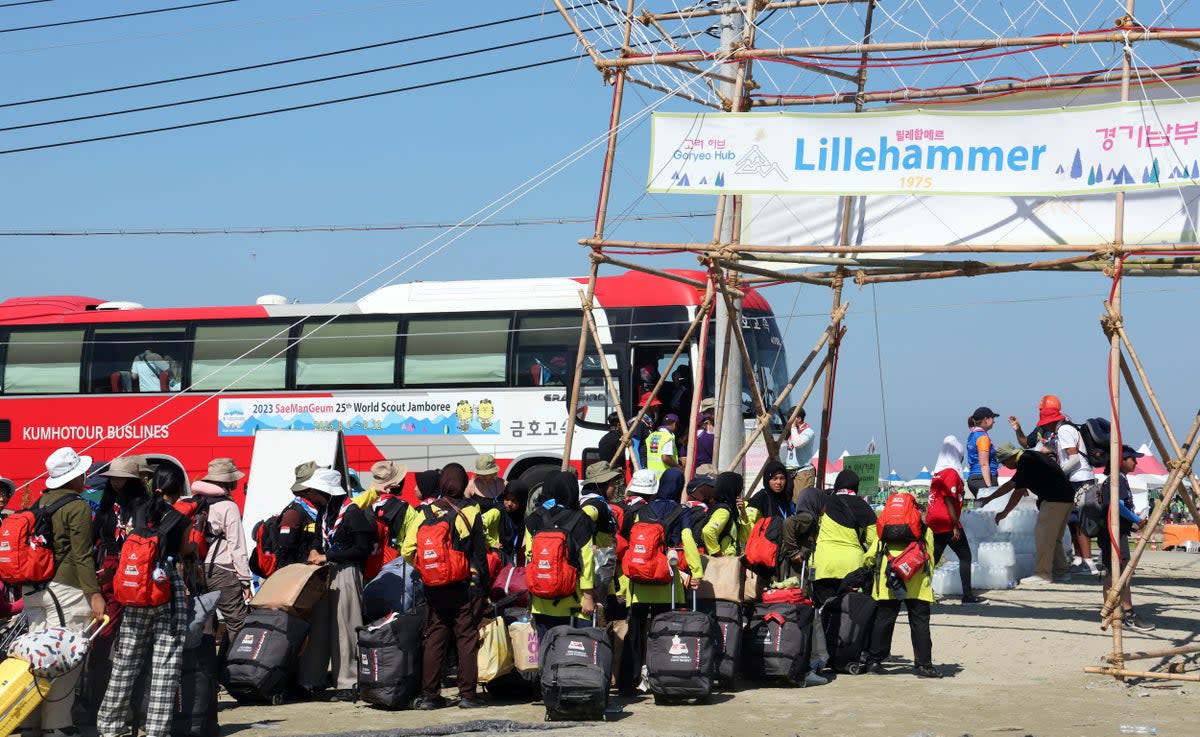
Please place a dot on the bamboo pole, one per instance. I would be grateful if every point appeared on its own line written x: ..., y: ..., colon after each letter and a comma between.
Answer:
x: 722, y: 393
x: 675, y: 93
x: 795, y: 415
x: 1174, y: 483
x: 1120, y: 673
x: 975, y: 250
x: 1060, y: 39
x: 773, y: 275
x: 683, y: 343
x: 830, y: 379
x: 973, y: 90
x: 604, y: 258
x: 924, y: 264
x: 787, y: 390
x: 689, y: 470
x: 597, y: 59
x: 863, y: 277
x: 609, y: 383
x: 1176, y: 450
x: 580, y: 353
x: 1151, y: 654
x: 707, y: 74
x: 725, y: 9
x: 760, y: 406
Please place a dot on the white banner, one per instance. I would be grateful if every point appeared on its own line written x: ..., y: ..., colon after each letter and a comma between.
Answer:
x: 1148, y: 144
x: 1157, y: 216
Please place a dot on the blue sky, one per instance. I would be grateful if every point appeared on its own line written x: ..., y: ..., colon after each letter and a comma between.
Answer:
x: 438, y: 155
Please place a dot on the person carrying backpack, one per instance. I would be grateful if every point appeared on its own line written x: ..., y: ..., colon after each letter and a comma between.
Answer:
x: 227, y: 564
x: 1128, y: 522
x: 775, y: 498
x: 560, y: 571
x: 650, y: 570
x: 800, y: 532
x: 727, y: 524
x: 944, y: 516
x: 890, y: 588
x: 156, y: 536
x: 72, y: 597
x: 345, y: 537
x: 845, y: 532
x: 447, y: 546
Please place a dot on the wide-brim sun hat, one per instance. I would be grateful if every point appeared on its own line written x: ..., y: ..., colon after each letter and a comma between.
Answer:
x: 303, y: 473
x: 326, y: 481
x: 387, y: 473
x: 63, y: 465
x: 600, y: 473
x: 223, y: 471
x: 485, y: 465
x: 643, y: 483
x: 126, y: 467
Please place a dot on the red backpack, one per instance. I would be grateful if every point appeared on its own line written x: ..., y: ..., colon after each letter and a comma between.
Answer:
x: 441, y: 557
x: 195, y: 508
x: 645, y: 559
x: 762, y: 546
x: 900, y: 520
x: 27, y: 546
x: 389, y: 516
x: 554, y: 560
x: 141, y: 579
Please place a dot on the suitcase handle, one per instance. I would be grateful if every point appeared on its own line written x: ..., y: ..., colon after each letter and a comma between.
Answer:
x: 95, y: 627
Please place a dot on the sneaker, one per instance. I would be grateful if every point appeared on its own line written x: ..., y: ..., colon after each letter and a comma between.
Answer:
x: 344, y: 694
x: 1131, y: 621
x: 1033, y: 581
x: 974, y: 599
x: 874, y: 666
x: 1076, y: 561
x: 814, y: 679
x: 471, y: 703
x: 927, y: 671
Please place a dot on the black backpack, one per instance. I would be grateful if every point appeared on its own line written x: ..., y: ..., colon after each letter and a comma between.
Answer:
x: 1096, y: 434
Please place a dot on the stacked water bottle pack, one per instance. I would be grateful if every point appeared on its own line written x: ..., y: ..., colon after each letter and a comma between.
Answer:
x: 1001, y: 554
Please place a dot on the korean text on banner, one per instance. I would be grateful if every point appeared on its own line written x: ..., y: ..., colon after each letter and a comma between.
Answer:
x: 867, y: 468
x: 1148, y: 144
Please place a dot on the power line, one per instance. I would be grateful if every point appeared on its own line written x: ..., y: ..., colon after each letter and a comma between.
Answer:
x: 279, y: 62
x: 294, y: 108
x: 368, y: 227
x: 286, y: 85
x: 115, y: 17
x: 24, y: 2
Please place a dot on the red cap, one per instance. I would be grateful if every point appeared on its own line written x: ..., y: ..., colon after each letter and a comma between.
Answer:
x: 646, y: 397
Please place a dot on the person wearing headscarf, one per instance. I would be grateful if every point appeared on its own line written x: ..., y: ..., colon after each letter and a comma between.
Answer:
x: 345, y: 537
x: 800, y: 532
x: 512, y: 522
x: 726, y: 527
x: 944, y: 515
x: 649, y: 599
x: 775, y: 498
x: 846, y: 530
x: 455, y: 610
x: 561, y: 512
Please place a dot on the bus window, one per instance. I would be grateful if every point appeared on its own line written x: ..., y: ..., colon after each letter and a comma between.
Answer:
x: 136, y: 360
x: 43, y: 362
x: 347, y: 354
x: 218, y: 361
x: 455, y: 350
x: 546, y: 348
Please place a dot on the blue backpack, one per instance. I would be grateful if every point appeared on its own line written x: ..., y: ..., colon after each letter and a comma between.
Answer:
x: 397, y: 588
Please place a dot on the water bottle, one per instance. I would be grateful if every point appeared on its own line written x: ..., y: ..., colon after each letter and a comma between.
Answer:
x: 1137, y: 729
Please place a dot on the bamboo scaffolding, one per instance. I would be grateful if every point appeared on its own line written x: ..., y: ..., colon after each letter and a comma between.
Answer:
x: 726, y: 9
x: 760, y: 406
x: 863, y: 277
x: 795, y: 415
x: 706, y: 248
x: 675, y: 93
x: 1174, y: 483
x: 613, y: 393
x: 787, y: 390
x: 604, y: 258
x: 689, y: 470
x: 1121, y: 673
x: 773, y: 275
x: 683, y: 344
x: 749, y: 54
x: 581, y: 351
x: 1152, y: 654
x: 1176, y: 452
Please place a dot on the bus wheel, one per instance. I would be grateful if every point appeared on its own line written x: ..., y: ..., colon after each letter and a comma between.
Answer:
x: 534, y: 478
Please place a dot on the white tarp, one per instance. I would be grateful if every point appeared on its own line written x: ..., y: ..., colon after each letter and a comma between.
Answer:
x: 1158, y: 216
x: 273, y: 469
x: 1144, y: 144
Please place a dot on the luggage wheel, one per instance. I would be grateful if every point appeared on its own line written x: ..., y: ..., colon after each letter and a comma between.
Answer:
x: 854, y: 669
x: 277, y: 699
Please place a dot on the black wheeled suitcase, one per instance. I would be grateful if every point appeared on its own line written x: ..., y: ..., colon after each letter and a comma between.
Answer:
x: 681, y: 654
x: 778, y: 642
x: 576, y: 667
x: 264, y: 656
x: 389, y: 659
x: 846, y: 620
x: 728, y: 616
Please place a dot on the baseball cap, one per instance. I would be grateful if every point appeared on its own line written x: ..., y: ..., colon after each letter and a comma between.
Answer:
x: 982, y: 413
x: 671, y: 417
x: 1127, y: 451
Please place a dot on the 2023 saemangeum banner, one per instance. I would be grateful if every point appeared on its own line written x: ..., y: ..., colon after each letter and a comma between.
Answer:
x: 1148, y: 144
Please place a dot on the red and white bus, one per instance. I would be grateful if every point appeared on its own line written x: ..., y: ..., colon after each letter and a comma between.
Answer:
x: 425, y: 373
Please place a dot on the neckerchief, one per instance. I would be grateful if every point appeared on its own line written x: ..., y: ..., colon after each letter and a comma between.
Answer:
x: 327, y: 532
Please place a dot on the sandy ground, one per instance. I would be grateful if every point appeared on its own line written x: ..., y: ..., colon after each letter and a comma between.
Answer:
x: 1014, y: 667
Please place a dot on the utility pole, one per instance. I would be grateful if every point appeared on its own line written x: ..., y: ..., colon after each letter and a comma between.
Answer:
x: 732, y: 431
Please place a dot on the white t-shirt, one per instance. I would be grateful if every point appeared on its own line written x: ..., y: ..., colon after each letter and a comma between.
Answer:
x: 1068, y: 437
x: 797, y: 452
